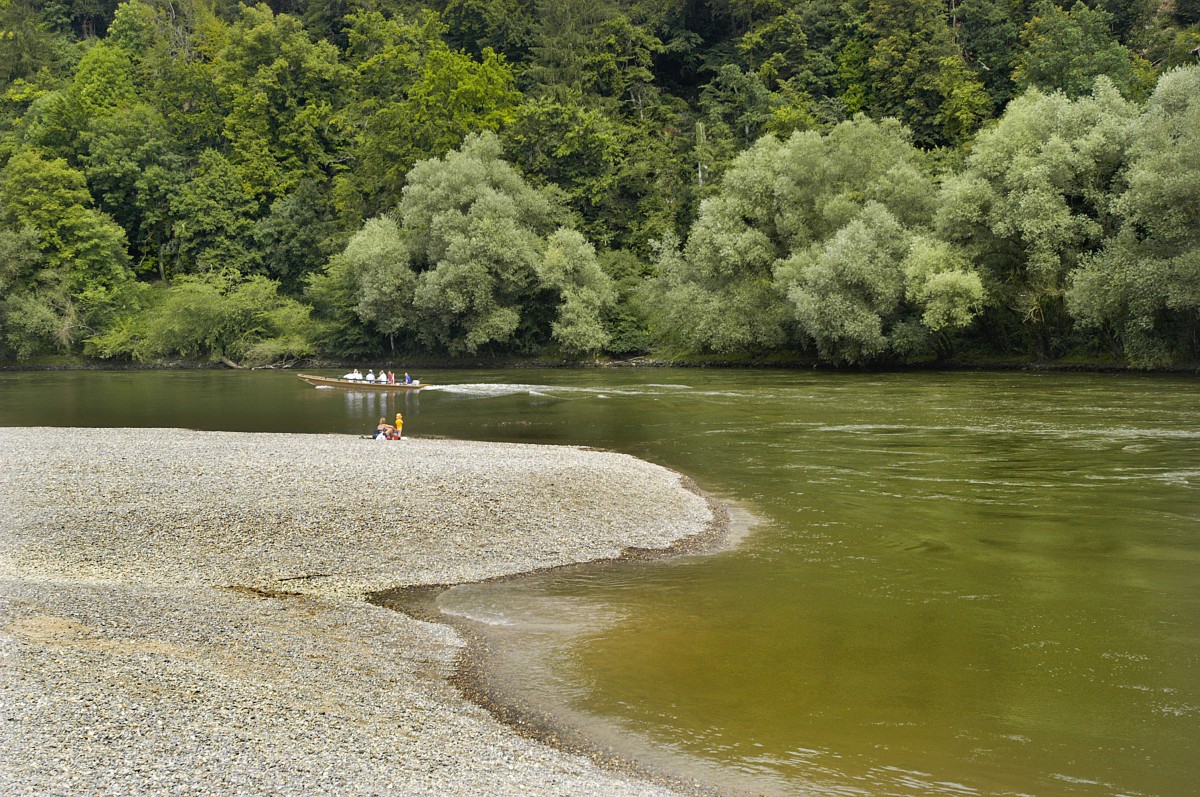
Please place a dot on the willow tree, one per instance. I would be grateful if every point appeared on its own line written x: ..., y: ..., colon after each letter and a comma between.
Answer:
x: 585, y: 293
x: 1143, y: 288
x: 728, y: 288
x: 1035, y: 201
x: 475, y: 230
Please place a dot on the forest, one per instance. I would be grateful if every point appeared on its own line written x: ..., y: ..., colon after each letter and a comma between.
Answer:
x: 838, y: 182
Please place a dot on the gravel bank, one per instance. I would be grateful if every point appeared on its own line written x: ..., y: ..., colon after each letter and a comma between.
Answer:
x: 184, y: 612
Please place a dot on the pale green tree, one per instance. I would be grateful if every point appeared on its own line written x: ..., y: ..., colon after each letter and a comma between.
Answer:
x: 1035, y: 199
x: 377, y: 263
x: 944, y: 287
x: 355, y: 316
x: 721, y: 292
x: 66, y: 265
x: 847, y: 290
x: 586, y: 294
x: 475, y: 230
x: 1143, y: 288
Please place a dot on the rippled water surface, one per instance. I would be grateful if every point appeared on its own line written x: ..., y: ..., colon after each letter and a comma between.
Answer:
x: 957, y: 583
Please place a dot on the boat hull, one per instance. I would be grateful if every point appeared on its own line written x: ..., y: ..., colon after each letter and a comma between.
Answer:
x: 357, y: 384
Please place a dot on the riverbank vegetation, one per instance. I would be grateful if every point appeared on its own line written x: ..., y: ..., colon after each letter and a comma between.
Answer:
x: 856, y: 182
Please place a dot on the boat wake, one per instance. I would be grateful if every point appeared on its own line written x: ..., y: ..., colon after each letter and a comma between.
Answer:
x: 493, y: 390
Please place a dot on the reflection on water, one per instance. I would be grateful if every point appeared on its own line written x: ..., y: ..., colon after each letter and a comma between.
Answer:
x: 959, y: 584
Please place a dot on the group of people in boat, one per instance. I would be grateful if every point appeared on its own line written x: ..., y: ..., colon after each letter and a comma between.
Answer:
x: 386, y: 431
x: 384, y: 377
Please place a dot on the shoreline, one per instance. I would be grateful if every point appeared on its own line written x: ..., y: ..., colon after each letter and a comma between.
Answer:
x: 999, y: 365
x: 473, y: 673
x: 187, y: 610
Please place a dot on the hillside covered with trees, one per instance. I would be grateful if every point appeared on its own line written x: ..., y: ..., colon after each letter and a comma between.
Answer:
x: 843, y: 181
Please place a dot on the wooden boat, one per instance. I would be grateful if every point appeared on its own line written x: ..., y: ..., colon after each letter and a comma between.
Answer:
x: 358, y: 384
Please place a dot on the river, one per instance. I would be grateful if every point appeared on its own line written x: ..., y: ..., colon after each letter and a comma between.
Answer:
x: 959, y: 583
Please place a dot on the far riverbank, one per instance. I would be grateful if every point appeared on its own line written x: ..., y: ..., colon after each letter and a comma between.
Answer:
x: 774, y: 362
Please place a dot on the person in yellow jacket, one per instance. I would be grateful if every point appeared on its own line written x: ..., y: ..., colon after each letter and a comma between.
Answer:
x: 399, y: 426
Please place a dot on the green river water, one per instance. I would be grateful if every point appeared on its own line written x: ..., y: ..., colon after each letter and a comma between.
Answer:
x: 961, y: 583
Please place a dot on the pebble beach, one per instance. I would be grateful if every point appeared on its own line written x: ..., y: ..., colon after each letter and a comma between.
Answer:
x: 186, y: 612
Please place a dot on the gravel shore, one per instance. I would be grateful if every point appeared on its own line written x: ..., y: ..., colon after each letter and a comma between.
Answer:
x: 184, y: 612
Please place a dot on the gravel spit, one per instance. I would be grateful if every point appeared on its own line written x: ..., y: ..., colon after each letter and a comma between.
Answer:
x: 185, y: 613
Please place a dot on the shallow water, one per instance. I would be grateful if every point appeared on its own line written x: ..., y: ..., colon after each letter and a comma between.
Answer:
x: 958, y: 584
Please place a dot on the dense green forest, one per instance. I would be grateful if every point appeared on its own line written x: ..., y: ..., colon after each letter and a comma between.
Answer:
x: 843, y: 181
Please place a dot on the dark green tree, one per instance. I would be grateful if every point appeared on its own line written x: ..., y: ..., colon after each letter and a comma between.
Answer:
x: 417, y: 99
x: 82, y: 267
x: 214, y: 220
x: 136, y: 171
x: 917, y: 73
x: 1067, y: 50
x: 298, y: 235
x: 284, y: 92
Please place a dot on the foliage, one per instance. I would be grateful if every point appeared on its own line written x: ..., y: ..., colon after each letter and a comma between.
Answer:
x: 36, y: 314
x: 1067, y: 51
x: 847, y: 289
x: 917, y: 75
x: 942, y: 284
x: 475, y: 232
x: 1034, y: 201
x: 585, y: 291
x: 1143, y: 288
x: 135, y: 172
x: 860, y: 180
x: 83, y: 250
x: 215, y: 219
x: 219, y: 316
x: 282, y: 90
x: 298, y: 234
x: 417, y: 99
x: 725, y: 291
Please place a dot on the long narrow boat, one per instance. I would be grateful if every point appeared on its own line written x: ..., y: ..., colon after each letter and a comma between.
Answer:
x: 357, y: 384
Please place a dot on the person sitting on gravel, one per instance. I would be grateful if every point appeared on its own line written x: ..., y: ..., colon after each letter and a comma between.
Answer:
x: 384, y: 430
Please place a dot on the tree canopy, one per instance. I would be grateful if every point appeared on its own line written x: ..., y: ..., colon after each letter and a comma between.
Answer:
x: 850, y: 182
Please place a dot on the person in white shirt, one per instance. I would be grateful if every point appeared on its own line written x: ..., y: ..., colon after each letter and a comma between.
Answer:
x: 353, y: 375
x: 370, y: 376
